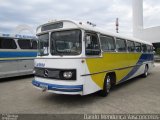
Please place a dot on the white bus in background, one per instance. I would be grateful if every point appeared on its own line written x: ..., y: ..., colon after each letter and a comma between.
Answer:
x: 17, y: 53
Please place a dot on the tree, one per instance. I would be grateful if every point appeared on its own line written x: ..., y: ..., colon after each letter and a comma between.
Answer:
x: 158, y: 51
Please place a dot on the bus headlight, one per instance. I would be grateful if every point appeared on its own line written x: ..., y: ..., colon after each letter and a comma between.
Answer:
x: 67, y: 75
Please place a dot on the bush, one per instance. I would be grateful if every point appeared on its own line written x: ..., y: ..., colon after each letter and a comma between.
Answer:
x: 158, y: 51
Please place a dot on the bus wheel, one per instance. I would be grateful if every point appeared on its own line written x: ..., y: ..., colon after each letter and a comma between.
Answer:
x: 106, y: 86
x: 145, y: 74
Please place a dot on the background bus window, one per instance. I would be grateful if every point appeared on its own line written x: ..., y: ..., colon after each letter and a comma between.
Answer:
x: 107, y: 43
x: 131, y: 46
x: 92, y: 44
x: 121, y: 45
x: 7, y: 43
x: 144, y: 47
x: 138, y: 47
x: 34, y: 44
x: 24, y: 44
x: 27, y: 44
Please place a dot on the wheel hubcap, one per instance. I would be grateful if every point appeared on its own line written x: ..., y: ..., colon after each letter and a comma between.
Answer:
x: 146, y: 71
x: 108, y: 84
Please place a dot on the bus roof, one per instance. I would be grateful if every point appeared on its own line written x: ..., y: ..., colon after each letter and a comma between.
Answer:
x: 17, y: 36
x: 70, y: 24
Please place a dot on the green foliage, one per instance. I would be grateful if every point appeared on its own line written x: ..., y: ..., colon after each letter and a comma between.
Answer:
x: 158, y: 51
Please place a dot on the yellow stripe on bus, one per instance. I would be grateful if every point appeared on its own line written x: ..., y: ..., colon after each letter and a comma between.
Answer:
x: 17, y: 58
x: 111, y: 61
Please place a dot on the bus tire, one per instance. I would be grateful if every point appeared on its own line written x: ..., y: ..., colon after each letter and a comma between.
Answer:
x: 145, y: 74
x: 106, y: 86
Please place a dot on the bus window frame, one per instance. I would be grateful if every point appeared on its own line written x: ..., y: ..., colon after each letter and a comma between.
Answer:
x: 34, y: 40
x: 140, y: 46
x: 99, y: 43
x: 125, y: 45
x: 60, y: 30
x: 38, y: 44
x: 150, y: 49
x: 134, y: 46
x: 15, y: 43
x: 18, y: 42
x: 101, y: 35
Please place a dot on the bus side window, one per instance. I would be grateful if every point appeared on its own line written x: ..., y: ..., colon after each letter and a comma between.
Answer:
x: 152, y: 48
x: 131, y: 46
x: 144, y: 48
x: 92, y: 44
x: 138, y: 47
x: 7, y: 43
x: 107, y: 43
x: 24, y: 44
x: 121, y: 45
x: 149, y: 48
x: 34, y: 44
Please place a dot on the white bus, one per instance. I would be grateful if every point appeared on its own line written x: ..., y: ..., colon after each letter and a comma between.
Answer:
x: 16, y: 55
x: 78, y: 58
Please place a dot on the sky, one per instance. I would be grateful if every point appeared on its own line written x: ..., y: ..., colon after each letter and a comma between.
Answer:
x: 103, y: 13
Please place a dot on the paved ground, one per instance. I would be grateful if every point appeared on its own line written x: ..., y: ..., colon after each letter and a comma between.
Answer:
x: 140, y: 95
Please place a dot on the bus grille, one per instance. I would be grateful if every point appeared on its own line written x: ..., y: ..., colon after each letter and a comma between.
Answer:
x: 54, y: 73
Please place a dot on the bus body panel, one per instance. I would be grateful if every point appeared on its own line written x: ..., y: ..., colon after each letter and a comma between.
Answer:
x: 26, y: 66
x: 125, y: 66
x: 16, y: 61
x: 16, y: 66
x: 81, y: 68
x: 8, y: 68
x: 91, y: 74
x: 91, y: 67
x: 111, y: 62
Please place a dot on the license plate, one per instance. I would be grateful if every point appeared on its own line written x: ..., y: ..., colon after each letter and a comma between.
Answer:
x: 44, y: 87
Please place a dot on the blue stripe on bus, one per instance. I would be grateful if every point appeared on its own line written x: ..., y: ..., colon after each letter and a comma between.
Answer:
x: 5, y: 54
x: 62, y: 88
x: 143, y: 58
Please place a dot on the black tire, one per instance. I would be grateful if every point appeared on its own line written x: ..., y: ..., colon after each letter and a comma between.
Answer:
x: 106, y: 86
x: 145, y: 74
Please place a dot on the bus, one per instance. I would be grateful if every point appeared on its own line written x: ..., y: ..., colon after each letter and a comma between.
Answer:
x: 16, y: 55
x: 78, y: 58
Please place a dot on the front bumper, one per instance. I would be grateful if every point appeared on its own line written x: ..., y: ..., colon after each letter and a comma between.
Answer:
x: 62, y: 89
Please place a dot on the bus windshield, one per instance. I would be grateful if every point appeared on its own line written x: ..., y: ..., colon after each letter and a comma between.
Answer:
x: 43, y: 44
x: 66, y: 42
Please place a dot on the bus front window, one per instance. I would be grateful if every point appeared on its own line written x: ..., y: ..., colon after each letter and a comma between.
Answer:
x: 43, y: 44
x: 66, y: 42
